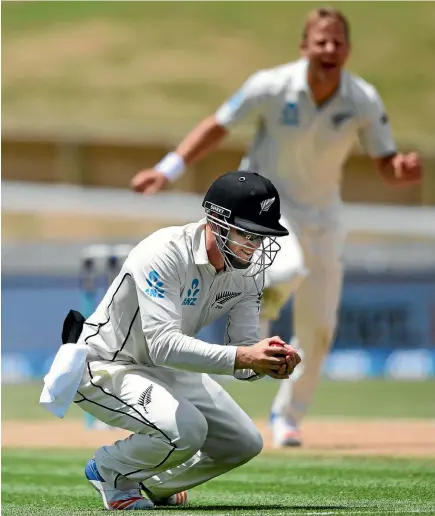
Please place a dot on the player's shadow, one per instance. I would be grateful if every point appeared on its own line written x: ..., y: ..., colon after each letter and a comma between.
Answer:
x: 258, y: 507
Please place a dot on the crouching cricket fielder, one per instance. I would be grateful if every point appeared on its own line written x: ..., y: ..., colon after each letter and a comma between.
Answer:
x: 146, y: 373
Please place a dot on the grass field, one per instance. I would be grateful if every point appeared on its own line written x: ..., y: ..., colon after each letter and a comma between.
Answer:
x: 363, y: 399
x: 51, y: 482
x: 47, y: 483
x: 138, y: 66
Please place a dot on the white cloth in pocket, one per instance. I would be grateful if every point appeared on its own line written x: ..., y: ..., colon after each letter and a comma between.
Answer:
x: 63, y: 379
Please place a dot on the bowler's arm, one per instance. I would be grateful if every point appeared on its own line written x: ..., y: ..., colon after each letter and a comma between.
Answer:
x: 202, y: 140
x: 249, y: 100
x: 206, y: 136
x: 375, y: 135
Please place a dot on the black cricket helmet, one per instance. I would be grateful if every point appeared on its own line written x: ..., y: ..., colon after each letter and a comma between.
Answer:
x: 243, y: 210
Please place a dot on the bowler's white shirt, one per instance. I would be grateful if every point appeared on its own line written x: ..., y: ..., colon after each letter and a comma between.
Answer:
x: 164, y: 294
x: 300, y: 147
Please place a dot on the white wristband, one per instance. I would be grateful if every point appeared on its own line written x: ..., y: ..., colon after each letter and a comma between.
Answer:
x: 171, y: 166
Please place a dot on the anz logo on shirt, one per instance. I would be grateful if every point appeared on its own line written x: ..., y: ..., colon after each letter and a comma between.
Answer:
x: 192, y: 293
x: 290, y: 114
x: 154, y: 285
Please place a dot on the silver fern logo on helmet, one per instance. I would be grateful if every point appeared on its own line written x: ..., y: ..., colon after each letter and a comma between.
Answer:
x: 266, y: 204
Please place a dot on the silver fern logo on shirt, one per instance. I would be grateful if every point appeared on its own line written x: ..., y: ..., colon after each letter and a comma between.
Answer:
x: 223, y: 297
x: 266, y: 204
x: 145, y: 397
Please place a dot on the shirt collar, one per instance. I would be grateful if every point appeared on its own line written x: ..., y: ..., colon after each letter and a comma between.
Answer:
x: 299, y: 82
x: 198, y: 244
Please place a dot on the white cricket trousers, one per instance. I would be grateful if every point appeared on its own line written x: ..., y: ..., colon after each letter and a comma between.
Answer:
x: 316, y: 301
x: 186, y: 428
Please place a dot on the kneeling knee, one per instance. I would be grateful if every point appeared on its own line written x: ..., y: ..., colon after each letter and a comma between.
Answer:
x: 249, y: 445
x: 255, y: 444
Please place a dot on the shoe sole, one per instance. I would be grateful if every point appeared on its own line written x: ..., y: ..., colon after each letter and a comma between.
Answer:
x: 98, y: 487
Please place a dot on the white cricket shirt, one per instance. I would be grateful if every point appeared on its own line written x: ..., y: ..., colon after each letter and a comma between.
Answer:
x: 164, y: 294
x: 300, y: 147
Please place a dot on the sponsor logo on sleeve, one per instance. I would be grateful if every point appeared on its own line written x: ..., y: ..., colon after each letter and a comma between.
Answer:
x: 236, y: 101
x: 155, y: 285
x: 384, y: 119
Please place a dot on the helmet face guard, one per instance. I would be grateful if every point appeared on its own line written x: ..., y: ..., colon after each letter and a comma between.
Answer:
x: 259, y: 257
x: 243, y: 213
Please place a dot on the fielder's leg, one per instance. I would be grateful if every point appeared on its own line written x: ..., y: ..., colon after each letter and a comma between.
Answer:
x: 315, y: 317
x: 232, y: 439
x: 167, y: 429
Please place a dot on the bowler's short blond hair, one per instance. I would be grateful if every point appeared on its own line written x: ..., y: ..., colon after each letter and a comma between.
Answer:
x: 322, y: 13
